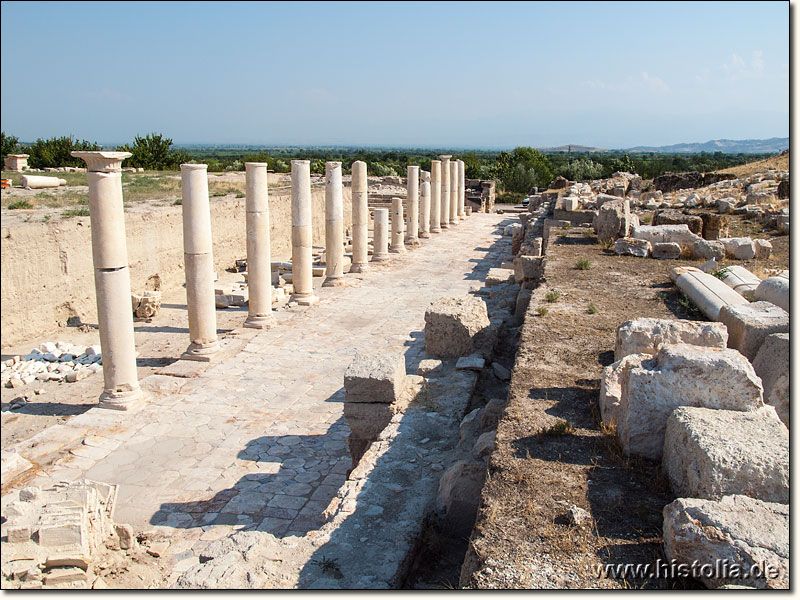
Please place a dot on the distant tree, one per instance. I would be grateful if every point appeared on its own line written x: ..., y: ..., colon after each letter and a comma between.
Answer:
x: 152, y: 152
x: 9, y: 143
x: 56, y: 152
x: 625, y: 164
x: 472, y: 165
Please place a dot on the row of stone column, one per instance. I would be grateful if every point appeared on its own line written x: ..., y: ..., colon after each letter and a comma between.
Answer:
x: 440, y: 205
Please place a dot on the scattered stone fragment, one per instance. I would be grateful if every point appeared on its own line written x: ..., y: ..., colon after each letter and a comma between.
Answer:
x: 633, y: 247
x: 471, y: 363
x: 772, y: 366
x: 749, y: 325
x: 578, y: 516
x: 501, y: 372
x: 666, y: 251
x: 457, y: 327
x: 647, y: 335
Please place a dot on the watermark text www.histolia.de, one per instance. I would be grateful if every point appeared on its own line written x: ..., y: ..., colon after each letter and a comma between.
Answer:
x: 661, y: 569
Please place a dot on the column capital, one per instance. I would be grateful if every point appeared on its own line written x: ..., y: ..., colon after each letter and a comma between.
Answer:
x: 100, y: 161
x: 445, y: 156
x: 193, y: 167
x: 255, y: 165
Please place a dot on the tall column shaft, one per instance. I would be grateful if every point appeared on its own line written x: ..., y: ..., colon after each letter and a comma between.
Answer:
x: 444, y: 216
x: 302, y: 261
x: 454, y: 192
x: 112, y: 281
x: 436, y: 196
x: 380, y: 237
x: 412, y: 188
x: 199, y: 263
x: 397, y: 246
x: 461, y: 191
x: 334, y: 224
x: 360, y: 218
x: 425, y: 206
x: 259, y: 262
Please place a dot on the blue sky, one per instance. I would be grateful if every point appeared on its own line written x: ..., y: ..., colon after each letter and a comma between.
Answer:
x: 467, y: 74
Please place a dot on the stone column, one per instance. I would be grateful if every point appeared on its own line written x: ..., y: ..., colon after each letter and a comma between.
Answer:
x: 112, y: 279
x: 436, y: 196
x: 454, y: 192
x: 461, y: 191
x: 302, y: 261
x: 259, y: 262
x: 425, y: 206
x: 334, y: 225
x: 412, y: 187
x: 444, y: 215
x: 360, y: 218
x: 380, y: 238
x: 198, y: 264
x: 397, y: 246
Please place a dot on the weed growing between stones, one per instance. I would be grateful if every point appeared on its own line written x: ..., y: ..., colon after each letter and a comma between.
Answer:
x: 583, y: 264
x: 20, y: 204
x: 560, y: 427
x: 721, y: 273
x: 552, y: 296
x: 75, y: 212
x: 542, y: 311
x: 607, y: 244
x: 592, y: 309
x: 689, y: 307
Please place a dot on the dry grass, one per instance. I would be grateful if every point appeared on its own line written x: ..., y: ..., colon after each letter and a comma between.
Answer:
x: 779, y: 162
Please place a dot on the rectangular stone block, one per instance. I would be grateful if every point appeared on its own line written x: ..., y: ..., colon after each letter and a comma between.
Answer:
x: 772, y: 365
x: 645, y: 335
x: 711, y: 453
x: 749, y: 324
x: 376, y: 378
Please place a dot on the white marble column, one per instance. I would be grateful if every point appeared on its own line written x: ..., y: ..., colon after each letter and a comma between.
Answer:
x: 461, y: 192
x: 425, y: 206
x: 412, y: 189
x: 380, y: 237
x: 436, y: 196
x: 112, y: 279
x: 198, y: 263
x: 259, y: 262
x: 334, y: 225
x: 398, y: 227
x: 302, y: 261
x: 360, y: 218
x: 454, y: 192
x: 444, y: 215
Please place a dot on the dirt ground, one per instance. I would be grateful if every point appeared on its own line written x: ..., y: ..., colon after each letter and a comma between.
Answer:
x: 552, y: 452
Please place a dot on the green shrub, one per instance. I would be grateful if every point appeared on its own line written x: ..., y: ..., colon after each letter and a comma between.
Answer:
x: 592, y: 309
x: 542, y: 311
x: 20, y: 204
x: 583, y: 264
x: 552, y: 296
x: 82, y: 211
x: 152, y: 152
x: 56, y: 152
x: 560, y: 427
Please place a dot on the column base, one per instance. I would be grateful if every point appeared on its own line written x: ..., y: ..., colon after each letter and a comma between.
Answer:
x: 424, y: 235
x: 258, y: 322
x: 397, y: 249
x: 304, y: 300
x: 413, y: 242
x: 359, y: 268
x: 379, y: 258
x: 334, y: 282
x: 122, y: 400
x: 445, y: 226
x: 201, y: 352
x: 452, y: 223
x: 436, y: 230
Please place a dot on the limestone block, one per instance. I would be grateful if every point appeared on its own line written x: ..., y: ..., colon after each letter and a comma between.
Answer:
x: 666, y: 250
x: 736, y: 530
x: 775, y: 290
x: 529, y: 270
x: 470, y: 363
x: 706, y: 291
x: 725, y: 205
x: 499, y: 276
x: 375, y: 378
x: 571, y: 203
x: 763, y: 249
x: 12, y: 464
x: 147, y: 304
x: 741, y: 248
x: 708, y: 249
x: 457, y: 327
x: 491, y: 413
x: 633, y: 247
x: 670, y: 216
x: 681, y: 375
x: 713, y: 453
x: 655, y: 234
x: 772, y: 365
x: 429, y: 366
x: 740, y: 280
x: 484, y: 445
x: 646, y: 335
x: 749, y: 325
x: 603, y: 198
x: 714, y: 226
x: 460, y: 493
x: 611, y: 386
x: 613, y: 219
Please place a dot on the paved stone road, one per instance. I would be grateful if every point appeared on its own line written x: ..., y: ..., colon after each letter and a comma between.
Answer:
x: 258, y: 440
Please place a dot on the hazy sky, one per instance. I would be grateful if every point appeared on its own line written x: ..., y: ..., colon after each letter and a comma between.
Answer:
x: 395, y: 73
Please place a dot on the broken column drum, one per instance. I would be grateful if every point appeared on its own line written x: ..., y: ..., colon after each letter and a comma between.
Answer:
x: 444, y: 214
x: 380, y: 241
x: 302, y: 262
x: 412, y: 187
x: 334, y: 224
x: 397, y: 246
x: 259, y: 264
x: 199, y: 264
x: 360, y: 218
x: 461, y: 190
x: 425, y: 209
x: 454, y: 192
x: 112, y: 279
x: 436, y: 196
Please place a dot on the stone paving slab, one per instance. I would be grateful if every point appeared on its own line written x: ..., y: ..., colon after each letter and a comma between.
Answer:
x: 257, y: 440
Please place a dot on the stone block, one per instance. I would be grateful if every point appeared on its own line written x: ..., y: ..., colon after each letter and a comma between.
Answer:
x: 460, y: 494
x: 457, y: 327
x: 713, y: 453
x: 646, y: 335
x: 749, y: 325
x: 775, y: 290
x: 681, y: 375
x: 741, y: 248
x: 484, y: 445
x: 670, y: 216
x: 714, y: 226
x: 613, y: 219
x: 375, y: 378
x: 611, y: 386
x: 666, y: 250
x: 708, y: 249
x: 763, y: 249
x: 470, y: 363
x: 529, y: 270
x: 656, y: 234
x: 772, y: 366
x: 429, y: 366
x: 737, y: 530
x: 633, y: 247
x: 740, y: 280
x: 499, y: 276
x: 491, y: 413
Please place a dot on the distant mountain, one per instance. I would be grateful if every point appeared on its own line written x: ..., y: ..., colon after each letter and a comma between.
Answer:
x: 573, y: 148
x: 772, y: 145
